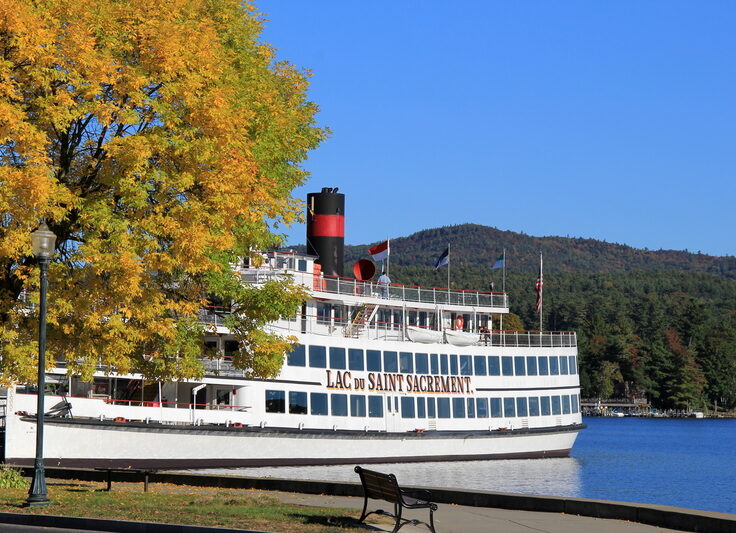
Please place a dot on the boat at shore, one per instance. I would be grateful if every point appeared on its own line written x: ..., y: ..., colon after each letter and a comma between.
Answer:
x: 380, y: 373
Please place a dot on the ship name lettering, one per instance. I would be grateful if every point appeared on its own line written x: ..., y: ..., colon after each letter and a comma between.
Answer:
x: 393, y: 382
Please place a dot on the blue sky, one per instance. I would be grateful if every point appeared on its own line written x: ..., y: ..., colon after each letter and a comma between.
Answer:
x: 608, y: 120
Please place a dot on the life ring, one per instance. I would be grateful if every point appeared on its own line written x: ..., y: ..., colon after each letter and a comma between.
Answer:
x: 459, y: 322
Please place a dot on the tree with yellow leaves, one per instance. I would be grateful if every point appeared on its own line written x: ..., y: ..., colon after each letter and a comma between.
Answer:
x: 159, y: 140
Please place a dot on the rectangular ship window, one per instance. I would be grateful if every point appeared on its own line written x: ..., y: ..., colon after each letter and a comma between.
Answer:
x: 317, y: 357
x: 573, y: 364
x: 421, y: 361
x: 471, y: 408
x: 507, y: 365
x: 481, y: 407
x: 337, y: 358
x: 563, y: 365
x: 297, y: 403
x: 406, y: 363
x: 453, y: 365
x: 496, y: 411
x: 565, y: 404
x: 318, y: 403
x: 458, y: 407
x: 554, y: 368
x: 531, y: 366
x: 533, y: 406
x: 543, y: 366
x: 297, y: 356
x: 494, y: 365
x: 421, y: 408
x: 480, y: 365
x: 434, y: 364
x: 519, y: 366
x: 521, y: 407
x: 374, y: 360
x: 546, y: 410
x: 390, y: 362
x: 375, y: 407
x: 575, y: 407
x: 355, y: 359
x: 466, y: 365
x: 443, y: 364
x: 508, y: 407
x: 556, y: 407
x: 357, y: 405
x: 407, y: 407
x: 275, y: 401
x: 443, y: 408
x: 339, y: 404
x: 431, y: 410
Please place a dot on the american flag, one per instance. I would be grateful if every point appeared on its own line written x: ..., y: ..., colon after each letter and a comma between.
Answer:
x: 538, y: 288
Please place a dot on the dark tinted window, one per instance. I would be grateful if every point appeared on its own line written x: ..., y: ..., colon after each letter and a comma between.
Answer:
x: 390, y: 362
x: 318, y: 402
x: 533, y: 406
x: 317, y: 357
x: 471, y: 407
x: 434, y: 364
x: 563, y: 365
x: 406, y: 363
x: 546, y: 409
x: 431, y: 412
x: 519, y: 366
x: 565, y: 405
x: 443, y: 408
x: 297, y: 356
x: 407, y: 407
x: 355, y: 359
x: 375, y: 407
x: 453, y: 365
x: 496, y: 411
x: 508, y: 407
x: 481, y: 407
x: 458, y: 407
x: 480, y: 365
x: 421, y: 408
x: 374, y: 360
x: 507, y: 365
x: 494, y: 366
x: 443, y: 364
x: 275, y: 401
x: 543, y: 366
x: 339, y: 404
x: 337, y: 358
x: 554, y: 368
x: 521, y: 408
x: 422, y: 363
x: 298, y: 403
x: 531, y: 366
x: 556, y: 407
x: 357, y: 405
x: 466, y: 365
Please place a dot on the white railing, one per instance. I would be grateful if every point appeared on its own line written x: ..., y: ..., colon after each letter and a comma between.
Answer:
x: 398, y: 292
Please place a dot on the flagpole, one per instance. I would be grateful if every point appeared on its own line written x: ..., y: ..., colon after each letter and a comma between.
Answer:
x: 541, y: 299
x: 388, y: 256
x: 448, y: 269
x: 504, y: 271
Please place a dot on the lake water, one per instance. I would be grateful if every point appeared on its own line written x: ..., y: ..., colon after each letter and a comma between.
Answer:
x: 685, y: 463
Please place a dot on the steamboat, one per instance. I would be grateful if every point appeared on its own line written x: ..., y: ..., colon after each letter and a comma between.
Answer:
x: 381, y: 372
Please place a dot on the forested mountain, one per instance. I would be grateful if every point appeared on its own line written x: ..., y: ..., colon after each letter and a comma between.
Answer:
x: 655, y: 323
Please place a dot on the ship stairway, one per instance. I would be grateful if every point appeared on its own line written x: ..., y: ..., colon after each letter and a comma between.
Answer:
x: 363, y: 316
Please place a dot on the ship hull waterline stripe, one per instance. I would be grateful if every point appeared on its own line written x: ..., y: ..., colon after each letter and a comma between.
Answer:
x: 169, y: 464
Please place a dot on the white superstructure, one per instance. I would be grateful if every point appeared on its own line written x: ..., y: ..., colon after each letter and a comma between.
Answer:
x: 381, y: 373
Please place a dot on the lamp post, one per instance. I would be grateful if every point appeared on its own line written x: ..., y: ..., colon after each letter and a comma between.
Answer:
x: 43, y: 242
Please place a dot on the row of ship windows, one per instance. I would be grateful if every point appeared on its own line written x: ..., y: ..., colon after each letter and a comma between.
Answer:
x: 436, y: 364
x: 373, y: 406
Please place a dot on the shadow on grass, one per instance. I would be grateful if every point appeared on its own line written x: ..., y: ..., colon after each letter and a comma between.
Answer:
x: 344, y: 522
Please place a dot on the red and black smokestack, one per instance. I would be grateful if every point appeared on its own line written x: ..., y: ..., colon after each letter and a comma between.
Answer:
x: 326, y: 229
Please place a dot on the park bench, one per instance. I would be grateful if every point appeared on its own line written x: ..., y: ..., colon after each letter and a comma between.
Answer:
x: 379, y: 486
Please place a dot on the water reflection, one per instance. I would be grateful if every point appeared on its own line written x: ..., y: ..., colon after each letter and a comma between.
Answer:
x: 550, y: 477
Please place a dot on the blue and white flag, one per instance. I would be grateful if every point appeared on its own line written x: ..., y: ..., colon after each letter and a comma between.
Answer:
x: 499, y: 262
x: 443, y: 260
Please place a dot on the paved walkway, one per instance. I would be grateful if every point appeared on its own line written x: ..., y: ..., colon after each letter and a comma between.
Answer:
x: 462, y: 519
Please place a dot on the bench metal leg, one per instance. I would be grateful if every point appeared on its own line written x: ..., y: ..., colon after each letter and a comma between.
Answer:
x: 397, y: 513
x: 109, y: 480
x: 365, y: 508
x: 145, y: 482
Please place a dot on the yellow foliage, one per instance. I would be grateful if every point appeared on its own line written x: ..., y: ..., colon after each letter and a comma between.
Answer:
x: 156, y: 138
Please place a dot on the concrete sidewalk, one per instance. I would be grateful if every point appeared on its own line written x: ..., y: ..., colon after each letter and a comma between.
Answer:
x: 463, y: 519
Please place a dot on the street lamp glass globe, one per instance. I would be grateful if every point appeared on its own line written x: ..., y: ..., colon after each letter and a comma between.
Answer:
x: 43, y: 242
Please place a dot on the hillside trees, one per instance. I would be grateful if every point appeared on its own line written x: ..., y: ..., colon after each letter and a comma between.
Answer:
x: 156, y: 139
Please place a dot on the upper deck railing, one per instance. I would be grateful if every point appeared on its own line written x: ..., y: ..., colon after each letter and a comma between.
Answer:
x: 393, y: 291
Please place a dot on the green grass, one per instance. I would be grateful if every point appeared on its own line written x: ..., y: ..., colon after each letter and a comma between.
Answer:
x: 183, y: 505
